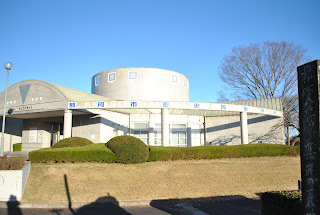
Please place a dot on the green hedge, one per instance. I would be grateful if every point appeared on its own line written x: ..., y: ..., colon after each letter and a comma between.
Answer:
x: 17, y: 147
x: 158, y: 153
x: 89, y: 153
x: 129, y: 149
x: 72, y: 142
x: 281, y: 203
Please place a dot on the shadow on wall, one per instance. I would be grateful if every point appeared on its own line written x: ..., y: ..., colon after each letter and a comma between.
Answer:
x: 91, y: 119
x: 225, y: 140
x: 13, y: 126
x: 271, y: 136
x: 237, y: 124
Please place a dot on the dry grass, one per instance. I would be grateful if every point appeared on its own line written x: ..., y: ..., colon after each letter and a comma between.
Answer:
x: 158, y: 180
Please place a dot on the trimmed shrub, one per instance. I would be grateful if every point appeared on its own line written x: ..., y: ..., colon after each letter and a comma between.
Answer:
x: 281, y: 203
x: 12, y: 163
x: 72, y: 142
x: 159, y: 153
x: 129, y: 149
x: 89, y: 153
x: 17, y: 147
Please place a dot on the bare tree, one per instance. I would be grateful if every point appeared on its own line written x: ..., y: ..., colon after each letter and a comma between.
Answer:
x: 266, y: 71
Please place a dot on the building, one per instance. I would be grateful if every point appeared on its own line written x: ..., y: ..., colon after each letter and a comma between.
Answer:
x: 151, y: 104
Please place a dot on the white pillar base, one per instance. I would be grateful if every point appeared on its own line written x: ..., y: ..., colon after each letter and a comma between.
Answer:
x: 165, y: 126
x: 67, y: 124
x: 244, y: 128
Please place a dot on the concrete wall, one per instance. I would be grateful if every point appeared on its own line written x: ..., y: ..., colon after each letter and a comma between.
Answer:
x: 151, y: 84
x: 13, y: 132
x: 13, y: 183
x: 36, y: 134
x: 113, y: 124
x: 87, y: 126
x: 225, y: 130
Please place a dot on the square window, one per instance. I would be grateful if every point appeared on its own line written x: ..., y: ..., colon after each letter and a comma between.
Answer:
x: 111, y: 77
x: 97, y: 80
x: 186, y: 82
x: 174, y: 78
x: 133, y: 75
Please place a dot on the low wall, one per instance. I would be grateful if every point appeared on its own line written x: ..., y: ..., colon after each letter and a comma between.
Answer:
x: 13, y: 182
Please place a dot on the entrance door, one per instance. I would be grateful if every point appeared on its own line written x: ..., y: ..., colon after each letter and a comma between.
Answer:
x: 55, y: 133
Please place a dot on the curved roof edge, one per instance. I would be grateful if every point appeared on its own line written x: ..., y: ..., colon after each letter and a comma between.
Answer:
x: 69, y: 93
x: 270, y: 103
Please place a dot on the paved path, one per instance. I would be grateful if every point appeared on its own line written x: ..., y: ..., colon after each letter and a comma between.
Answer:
x: 222, y: 206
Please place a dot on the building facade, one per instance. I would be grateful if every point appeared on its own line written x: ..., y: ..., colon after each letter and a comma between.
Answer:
x: 151, y: 104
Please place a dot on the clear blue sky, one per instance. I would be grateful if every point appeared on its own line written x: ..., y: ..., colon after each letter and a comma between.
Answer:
x: 66, y: 42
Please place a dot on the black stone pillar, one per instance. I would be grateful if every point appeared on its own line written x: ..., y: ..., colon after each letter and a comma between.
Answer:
x: 308, y: 85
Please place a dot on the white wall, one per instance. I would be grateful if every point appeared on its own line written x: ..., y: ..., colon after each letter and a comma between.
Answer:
x: 225, y: 130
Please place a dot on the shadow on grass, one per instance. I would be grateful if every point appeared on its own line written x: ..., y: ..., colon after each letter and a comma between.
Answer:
x: 107, y: 204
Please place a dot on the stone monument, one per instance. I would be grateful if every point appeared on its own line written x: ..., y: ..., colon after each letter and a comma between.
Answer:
x: 308, y: 85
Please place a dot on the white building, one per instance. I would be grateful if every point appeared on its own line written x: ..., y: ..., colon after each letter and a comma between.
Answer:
x: 151, y: 104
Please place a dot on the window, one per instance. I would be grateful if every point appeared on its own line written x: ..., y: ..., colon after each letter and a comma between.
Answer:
x: 157, y: 135
x: 97, y: 80
x: 195, y: 135
x: 133, y: 75
x: 111, y: 77
x: 174, y: 78
x: 178, y: 135
x: 186, y: 82
x: 140, y: 130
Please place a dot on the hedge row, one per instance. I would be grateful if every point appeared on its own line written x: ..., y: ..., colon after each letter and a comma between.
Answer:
x: 17, y: 147
x: 72, y: 142
x: 281, y: 203
x: 158, y: 153
x: 100, y: 153
x: 128, y: 149
x: 89, y: 153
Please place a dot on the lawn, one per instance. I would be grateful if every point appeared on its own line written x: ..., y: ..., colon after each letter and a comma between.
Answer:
x: 161, y: 180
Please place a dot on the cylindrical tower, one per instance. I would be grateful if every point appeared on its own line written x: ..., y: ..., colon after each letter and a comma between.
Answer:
x: 141, y: 84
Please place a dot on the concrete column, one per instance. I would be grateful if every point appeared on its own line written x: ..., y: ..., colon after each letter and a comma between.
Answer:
x: 151, y: 131
x: 165, y: 126
x: 189, y: 133
x: 202, y: 136
x: 67, y: 124
x: 244, y: 128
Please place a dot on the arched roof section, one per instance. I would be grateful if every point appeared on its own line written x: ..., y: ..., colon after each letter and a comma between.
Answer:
x: 67, y: 93
x: 35, y: 96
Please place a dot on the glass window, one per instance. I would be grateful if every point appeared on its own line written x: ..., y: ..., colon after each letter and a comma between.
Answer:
x: 133, y: 75
x: 140, y: 126
x: 178, y: 135
x: 140, y: 130
x: 111, y: 77
x: 174, y: 78
x: 195, y: 135
x: 97, y: 80
x: 157, y: 135
x: 186, y: 82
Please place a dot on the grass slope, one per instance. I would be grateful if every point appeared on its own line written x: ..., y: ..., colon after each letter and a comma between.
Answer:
x: 160, y: 180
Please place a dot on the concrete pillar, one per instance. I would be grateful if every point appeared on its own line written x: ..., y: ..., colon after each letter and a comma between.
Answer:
x: 189, y: 133
x: 165, y: 126
x: 244, y: 128
x: 151, y: 131
x: 67, y: 124
x: 202, y: 133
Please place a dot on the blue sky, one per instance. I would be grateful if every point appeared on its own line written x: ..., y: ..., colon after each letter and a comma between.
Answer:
x: 67, y: 42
